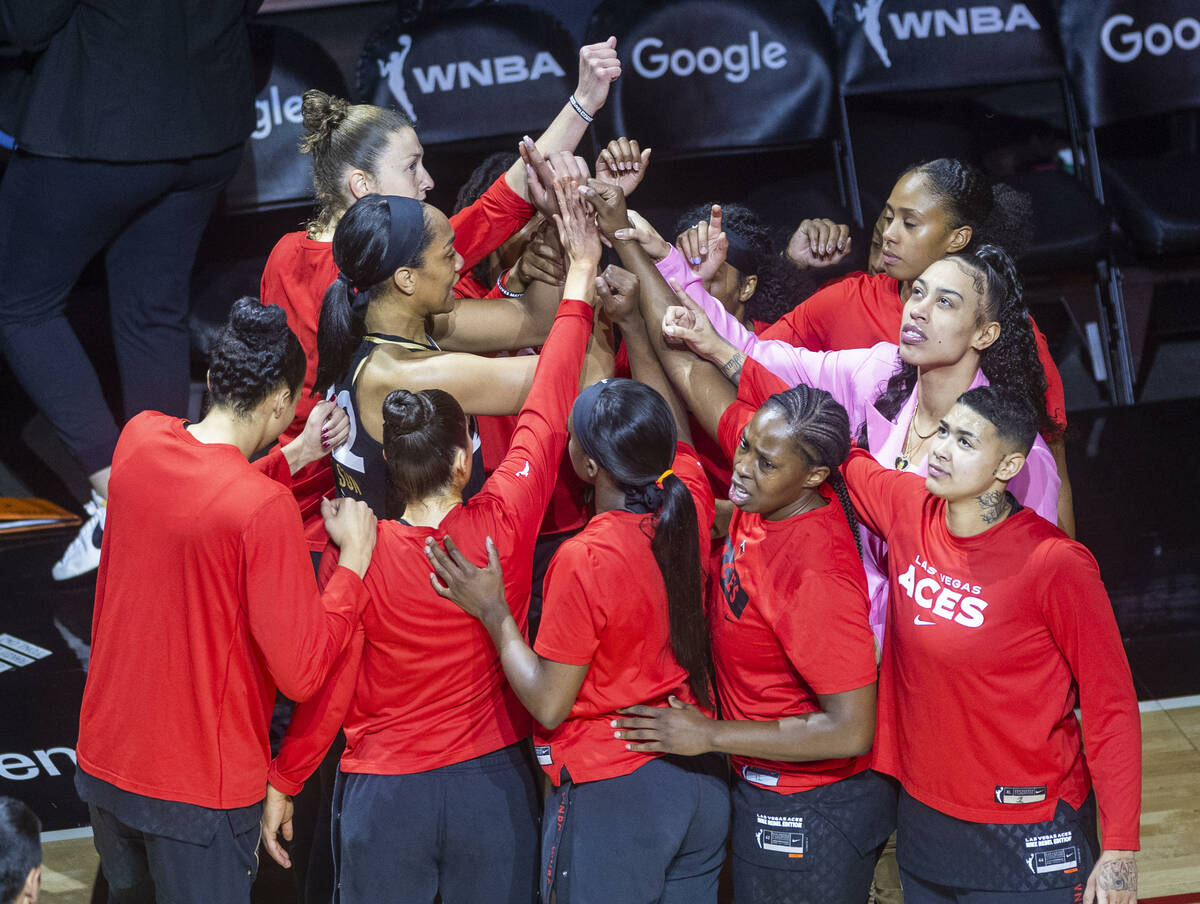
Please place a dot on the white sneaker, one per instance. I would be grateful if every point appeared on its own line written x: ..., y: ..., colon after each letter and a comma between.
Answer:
x: 83, y: 555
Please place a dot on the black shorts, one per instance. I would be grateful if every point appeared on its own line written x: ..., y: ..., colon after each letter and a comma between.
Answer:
x: 468, y: 830
x: 953, y: 857
x: 655, y: 835
x: 816, y: 846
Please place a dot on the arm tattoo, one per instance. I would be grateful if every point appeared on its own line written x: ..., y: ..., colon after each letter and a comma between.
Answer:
x: 733, y: 368
x: 995, y: 506
x: 1118, y: 875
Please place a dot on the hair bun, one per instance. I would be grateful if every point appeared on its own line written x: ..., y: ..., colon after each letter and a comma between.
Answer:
x: 406, y: 412
x: 255, y: 324
x: 321, y: 113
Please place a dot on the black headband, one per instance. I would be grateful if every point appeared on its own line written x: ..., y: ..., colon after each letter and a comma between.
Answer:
x: 741, y: 256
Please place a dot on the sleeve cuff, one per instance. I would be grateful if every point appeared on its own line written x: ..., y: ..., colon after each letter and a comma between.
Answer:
x: 279, y: 783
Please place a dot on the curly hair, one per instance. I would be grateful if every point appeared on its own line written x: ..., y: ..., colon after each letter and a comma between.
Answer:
x: 1011, y: 361
x: 253, y: 355
x: 780, y: 285
x: 997, y: 213
x: 493, y: 166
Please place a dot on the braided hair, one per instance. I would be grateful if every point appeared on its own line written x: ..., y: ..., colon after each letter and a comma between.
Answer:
x: 1011, y: 360
x: 821, y: 428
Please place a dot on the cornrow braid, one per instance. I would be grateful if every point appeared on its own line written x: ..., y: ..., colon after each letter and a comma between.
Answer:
x: 821, y: 427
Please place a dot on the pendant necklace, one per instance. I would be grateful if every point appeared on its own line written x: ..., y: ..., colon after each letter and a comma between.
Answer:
x: 903, y: 460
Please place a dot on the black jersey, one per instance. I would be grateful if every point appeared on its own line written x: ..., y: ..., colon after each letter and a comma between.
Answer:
x: 359, y: 470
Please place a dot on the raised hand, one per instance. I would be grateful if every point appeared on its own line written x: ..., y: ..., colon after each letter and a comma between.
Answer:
x: 539, y: 177
x: 686, y: 322
x: 623, y: 164
x: 618, y: 291
x: 609, y: 203
x: 818, y: 243
x: 576, y: 227
x: 639, y: 230
x: 541, y: 261
x: 705, y: 245
x: 599, y: 67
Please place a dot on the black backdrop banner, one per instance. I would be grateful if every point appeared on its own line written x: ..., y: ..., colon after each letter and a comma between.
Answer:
x: 273, y: 172
x: 700, y: 75
x: 473, y: 73
x: 914, y: 45
x: 1130, y: 58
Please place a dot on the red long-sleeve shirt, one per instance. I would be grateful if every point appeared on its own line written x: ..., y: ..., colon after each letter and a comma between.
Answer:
x: 861, y: 310
x: 205, y: 603
x: 788, y: 615
x: 991, y: 642
x: 298, y: 272
x: 421, y: 685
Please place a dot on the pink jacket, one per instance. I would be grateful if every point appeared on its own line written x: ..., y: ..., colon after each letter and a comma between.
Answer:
x: 855, y: 378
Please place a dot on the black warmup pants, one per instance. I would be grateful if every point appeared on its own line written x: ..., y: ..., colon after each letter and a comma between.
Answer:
x: 148, y: 868
x: 56, y: 214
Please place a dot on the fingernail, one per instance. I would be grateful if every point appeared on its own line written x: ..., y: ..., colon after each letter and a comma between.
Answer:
x: 324, y: 445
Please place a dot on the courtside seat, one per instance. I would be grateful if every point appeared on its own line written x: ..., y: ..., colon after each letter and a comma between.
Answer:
x: 1071, y: 230
x: 1155, y: 201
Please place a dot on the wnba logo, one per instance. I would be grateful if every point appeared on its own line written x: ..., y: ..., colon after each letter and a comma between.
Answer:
x: 393, y: 71
x: 940, y: 23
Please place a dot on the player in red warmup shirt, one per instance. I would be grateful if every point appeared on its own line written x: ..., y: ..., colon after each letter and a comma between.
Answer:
x: 434, y: 734
x: 205, y: 603
x: 794, y: 653
x: 623, y: 623
x: 1000, y: 628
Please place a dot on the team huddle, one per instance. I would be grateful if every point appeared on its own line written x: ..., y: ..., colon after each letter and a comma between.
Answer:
x: 756, y: 575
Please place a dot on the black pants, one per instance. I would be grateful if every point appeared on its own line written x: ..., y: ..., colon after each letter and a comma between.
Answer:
x: 468, y: 831
x: 810, y: 847
x: 55, y: 215
x: 147, y: 868
x: 654, y: 835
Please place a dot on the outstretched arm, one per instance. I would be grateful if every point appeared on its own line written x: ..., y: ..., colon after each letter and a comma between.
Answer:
x: 599, y: 67
x: 618, y: 292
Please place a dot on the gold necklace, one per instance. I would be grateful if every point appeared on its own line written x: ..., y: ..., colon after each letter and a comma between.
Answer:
x: 904, y: 459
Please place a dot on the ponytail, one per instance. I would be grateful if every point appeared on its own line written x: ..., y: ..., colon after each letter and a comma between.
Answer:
x: 628, y: 429
x: 676, y: 549
x: 340, y: 329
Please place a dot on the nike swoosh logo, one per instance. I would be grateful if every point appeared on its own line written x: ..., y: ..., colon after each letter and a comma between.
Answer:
x: 917, y: 621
